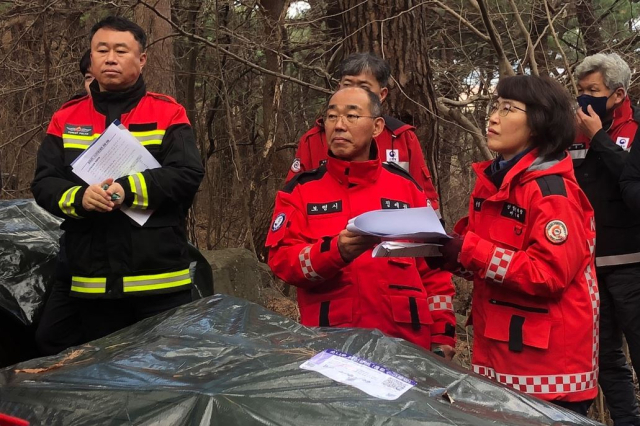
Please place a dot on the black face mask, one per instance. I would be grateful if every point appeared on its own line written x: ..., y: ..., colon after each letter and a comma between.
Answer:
x: 598, y: 103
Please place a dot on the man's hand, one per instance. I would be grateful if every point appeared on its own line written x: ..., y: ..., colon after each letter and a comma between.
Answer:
x: 351, y: 245
x: 447, y: 350
x: 589, y: 124
x: 116, y: 188
x: 96, y: 198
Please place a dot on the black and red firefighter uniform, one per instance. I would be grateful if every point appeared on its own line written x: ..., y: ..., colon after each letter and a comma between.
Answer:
x: 112, y: 260
x: 598, y: 165
x: 528, y: 248
x: 397, y: 144
x: 401, y: 297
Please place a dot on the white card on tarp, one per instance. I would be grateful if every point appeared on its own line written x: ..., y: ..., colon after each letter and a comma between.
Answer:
x: 116, y: 153
x: 415, y: 224
x: 406, y: 249
x: 371, y: 378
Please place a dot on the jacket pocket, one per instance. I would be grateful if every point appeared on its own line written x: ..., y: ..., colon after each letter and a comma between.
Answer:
x: 329, y: 313
x: 518, y: 325
x: 411, y: 310
x: 160, y: 243
x: 79, y: 249
x: 507, y: 233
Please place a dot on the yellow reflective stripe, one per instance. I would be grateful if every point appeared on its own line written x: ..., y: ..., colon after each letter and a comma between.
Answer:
x: 88, y: 284
x: 66, y: 202
x: 156, y: 282
x: 88, y: 290
x: 151, y: 142
x: 139, y: 188
x: 151, y: 137
x: 80, y: 137
x: 148, y: 133
x: 77, y: 141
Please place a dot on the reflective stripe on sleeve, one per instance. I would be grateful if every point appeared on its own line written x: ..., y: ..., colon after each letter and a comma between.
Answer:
x: 78, y: 142
x: 89, y: 285
x: 440, y: 303
x: 66, y: 202
x: 156, y: 282
x: 578, y: 154
x: 499, y: 264
x: 139, y: 188
x: 305, y: 263
x: 151, y: 137
x: 618, y: 259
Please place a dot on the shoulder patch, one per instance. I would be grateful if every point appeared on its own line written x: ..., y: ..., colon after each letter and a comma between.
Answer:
x: 394, y: 125
x: 162, y: 97
x: 396, y: 169
x: 304, y: 177
x: 552, y: 185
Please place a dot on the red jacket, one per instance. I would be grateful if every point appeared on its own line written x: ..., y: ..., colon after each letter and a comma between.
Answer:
x: 398, y: 144
x: 529, y: 247
x: 401, y: 297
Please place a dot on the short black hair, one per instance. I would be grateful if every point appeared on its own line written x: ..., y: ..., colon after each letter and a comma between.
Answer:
x: 118, y: 23
x: 550, y: 111
x: 375, y: 106
x: 362, y: 62
x: 85, y: 62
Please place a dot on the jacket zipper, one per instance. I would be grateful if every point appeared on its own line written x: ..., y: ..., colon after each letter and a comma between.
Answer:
x: 522, y: 308
x: 404, y: 287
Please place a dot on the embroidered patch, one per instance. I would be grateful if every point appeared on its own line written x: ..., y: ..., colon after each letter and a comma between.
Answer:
x: 78, y: 130
x: 556, y: 232
x: 622, y: 142
x: 514, y: 212
x: 278, y: 221
x: 388, y: 204
x: 324, y: 208
x: 295, y: 166
x: 477, y: 203
x: 393, y: 155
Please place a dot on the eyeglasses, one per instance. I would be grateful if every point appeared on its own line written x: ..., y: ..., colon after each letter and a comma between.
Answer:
x: 351, y: 118
x: 504, y: 108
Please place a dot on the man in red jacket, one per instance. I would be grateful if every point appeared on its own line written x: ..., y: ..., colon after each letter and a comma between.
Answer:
x: 397, y: 142
x: 339, y: 283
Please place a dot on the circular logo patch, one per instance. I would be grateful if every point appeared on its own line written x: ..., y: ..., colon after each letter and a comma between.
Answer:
x: 556, y: 232
x: 295, y: 166
x: 278, y: 221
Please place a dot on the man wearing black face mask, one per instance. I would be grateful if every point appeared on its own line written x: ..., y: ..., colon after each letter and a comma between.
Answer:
x: 607, y: 125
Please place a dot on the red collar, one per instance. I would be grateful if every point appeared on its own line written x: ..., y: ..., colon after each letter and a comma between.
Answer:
x: 349, y: 173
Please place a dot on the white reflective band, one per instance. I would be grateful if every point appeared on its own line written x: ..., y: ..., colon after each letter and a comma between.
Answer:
x: 499, y: 264
x: 440, y: 303
x: 561, y: 383
x: 66, y: 202
x: 156, y: 282
x: 619, y: 259
x: 305, y: 263
x: 78, y: 142
x: 151, y: 137
x: 139, y: 188
x: 91, y: 285
x: 578, y: 154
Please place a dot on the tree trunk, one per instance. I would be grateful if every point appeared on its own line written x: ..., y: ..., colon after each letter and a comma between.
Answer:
x: 588, y: 27
x: 404, y: 42
x: 159, y: 71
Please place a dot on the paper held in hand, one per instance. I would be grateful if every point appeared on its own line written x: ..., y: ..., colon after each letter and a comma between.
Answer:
x: 419, y: 226
x: 116, y: 153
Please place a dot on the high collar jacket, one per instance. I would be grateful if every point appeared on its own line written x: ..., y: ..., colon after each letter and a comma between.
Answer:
x: 528, y: 247
x: 398, y: 144
x: 109, y: 254
x: 400, y: 296
x: 598, y: 164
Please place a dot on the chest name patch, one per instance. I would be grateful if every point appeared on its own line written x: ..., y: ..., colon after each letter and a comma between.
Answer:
x: 514, y: 212
x: 477, y: 203
x: 78, y: 130
x: 324, y: 208
x: 388, y: 204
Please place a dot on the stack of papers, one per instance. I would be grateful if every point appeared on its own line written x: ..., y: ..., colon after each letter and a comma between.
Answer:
x: 420, y: 229
x: 116, y: 153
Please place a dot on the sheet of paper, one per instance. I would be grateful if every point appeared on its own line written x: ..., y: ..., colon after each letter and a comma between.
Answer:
x: 405, y: 249
x: 114, y: 154
x: 370, y: 378
x: 416, y: 224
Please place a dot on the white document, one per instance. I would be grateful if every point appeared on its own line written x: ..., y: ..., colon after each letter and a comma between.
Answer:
x: 416, y: 224
x: 370, y: 378
x: 114, y: 154
x: 405, y: 249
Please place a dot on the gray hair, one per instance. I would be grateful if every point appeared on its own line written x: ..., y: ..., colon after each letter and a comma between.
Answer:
x: 615, y: 71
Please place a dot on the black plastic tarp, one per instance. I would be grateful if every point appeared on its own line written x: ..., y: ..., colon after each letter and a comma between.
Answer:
x: 225, y: 361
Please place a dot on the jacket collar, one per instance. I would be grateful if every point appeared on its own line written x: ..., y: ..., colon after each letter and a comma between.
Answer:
x: 349, y: 173
x: 117, y: 103
x: 621, y: 115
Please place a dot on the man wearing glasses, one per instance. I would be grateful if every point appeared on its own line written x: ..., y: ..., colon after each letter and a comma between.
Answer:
x: 339, y: 283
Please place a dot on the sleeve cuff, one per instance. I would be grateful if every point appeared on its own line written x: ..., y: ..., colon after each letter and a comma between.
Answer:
x: 326, y: 256
x: 476, y: 252
x: 128, y: 194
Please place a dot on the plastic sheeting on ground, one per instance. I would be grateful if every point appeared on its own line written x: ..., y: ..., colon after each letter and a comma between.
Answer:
x: 225, y: 361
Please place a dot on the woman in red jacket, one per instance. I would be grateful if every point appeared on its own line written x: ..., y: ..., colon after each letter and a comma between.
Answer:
x: 527, y: 244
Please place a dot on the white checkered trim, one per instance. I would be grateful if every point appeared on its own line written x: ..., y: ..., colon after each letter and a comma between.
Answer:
x: 561, y: 383
x: 595, y: 306
x: 499, y: 264
x: 440, y: 303
x: 592, y: 246
x: 305, y: 263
